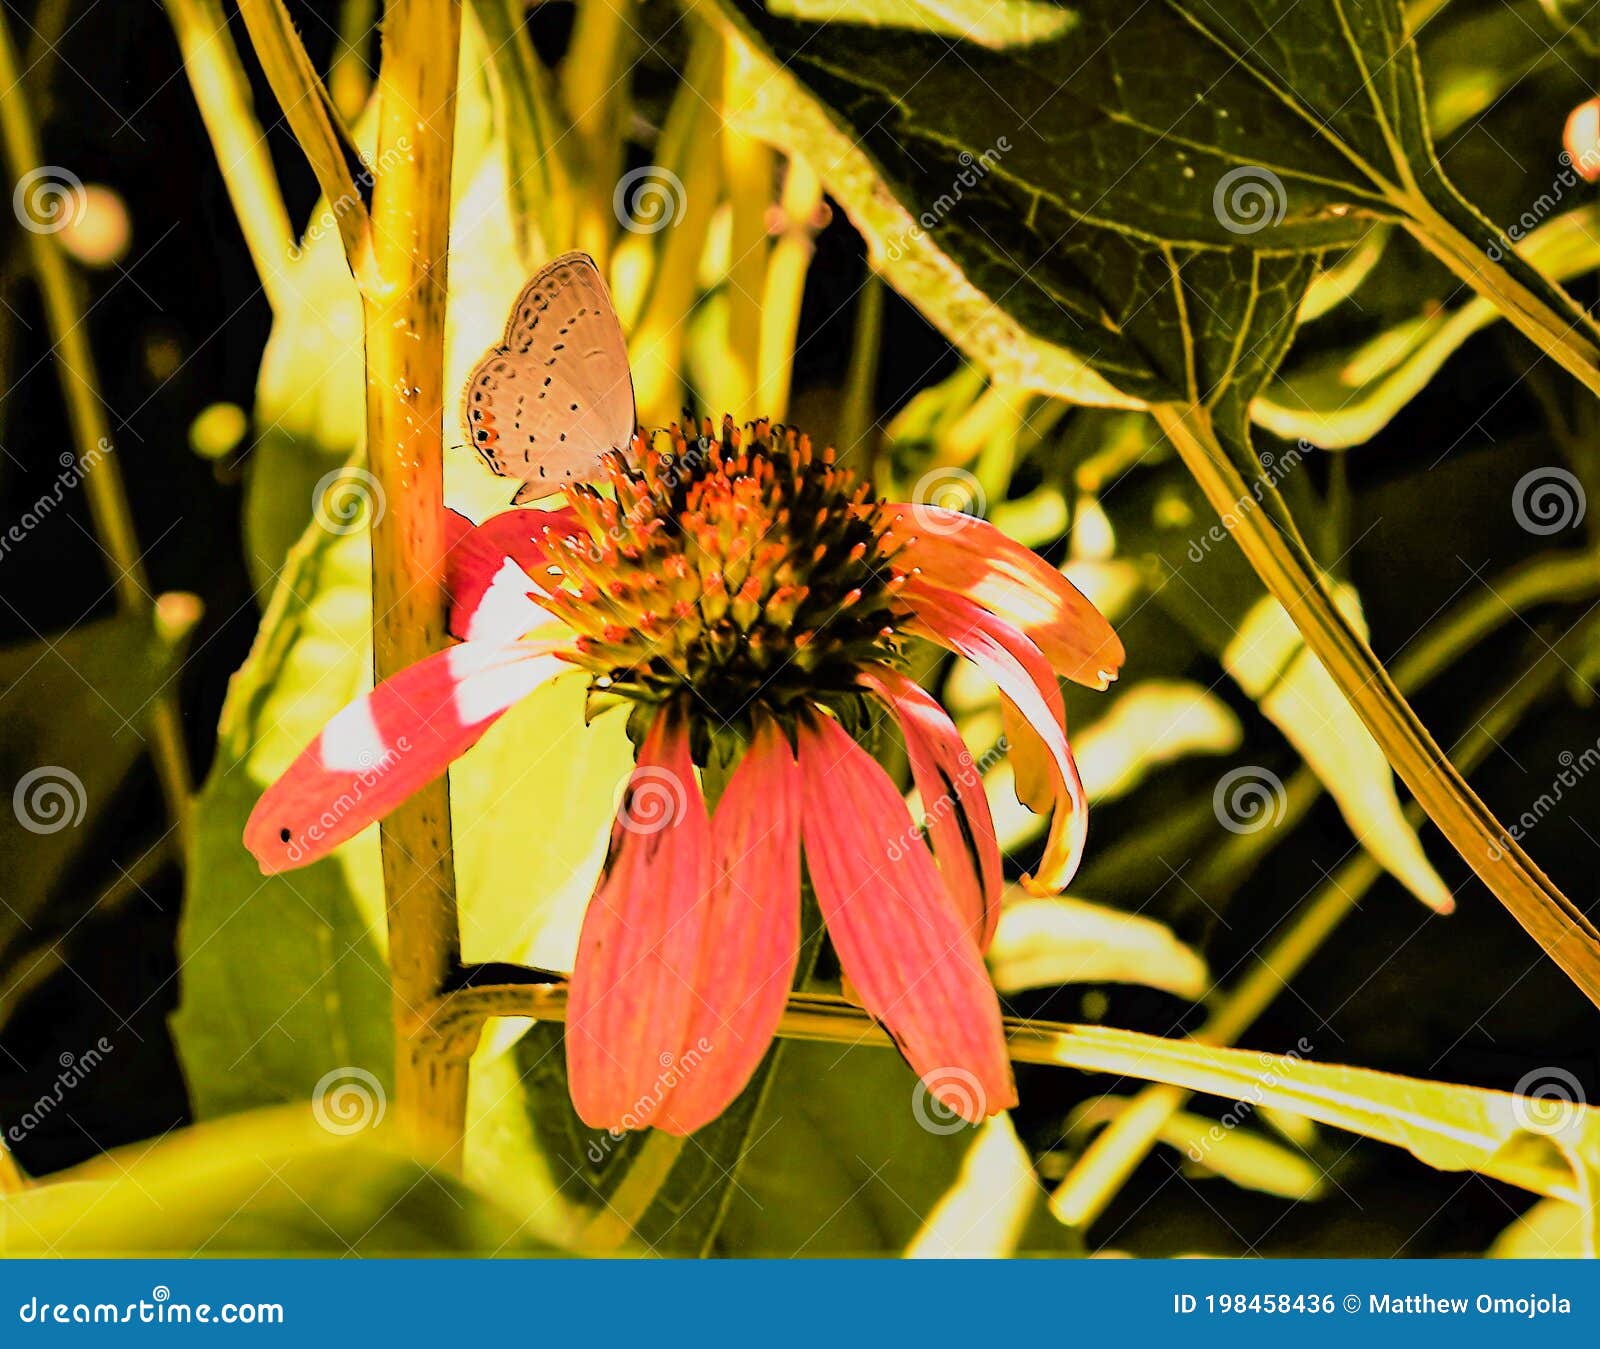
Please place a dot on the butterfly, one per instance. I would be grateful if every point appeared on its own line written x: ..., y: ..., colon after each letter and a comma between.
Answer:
x: 556, y: 395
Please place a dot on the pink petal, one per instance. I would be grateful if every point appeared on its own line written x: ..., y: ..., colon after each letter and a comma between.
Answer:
x: 636, y: 982
x: 385, y: 745
x: 493, y: 572
x: 1035, y: 723
x: 953, y: 801
x: 970, y: 557
x: 912, y: 960
x: 751, y: 934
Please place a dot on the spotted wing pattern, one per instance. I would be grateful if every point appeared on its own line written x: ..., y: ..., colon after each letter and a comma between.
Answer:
x: 547, y: 403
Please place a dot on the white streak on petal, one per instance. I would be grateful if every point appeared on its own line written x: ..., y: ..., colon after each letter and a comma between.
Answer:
x: 352, y: 742
x: 506, y: 609
x: 490, y: 677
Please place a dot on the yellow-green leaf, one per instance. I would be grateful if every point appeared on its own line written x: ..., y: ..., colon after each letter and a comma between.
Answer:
x: 1041, y: 943
x: 1268, y: 660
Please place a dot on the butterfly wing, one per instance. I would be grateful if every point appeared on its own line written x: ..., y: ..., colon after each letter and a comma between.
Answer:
x: 556, y: 395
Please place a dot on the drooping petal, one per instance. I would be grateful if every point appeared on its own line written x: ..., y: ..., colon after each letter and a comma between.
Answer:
x: 751, y: 933
x: 953, y: 800
x: 1035, y: 720
x: 635, y: 982
x: 913, y: 962
x: 970, y: 557
x: 493, y: 572
x: 390, y: 742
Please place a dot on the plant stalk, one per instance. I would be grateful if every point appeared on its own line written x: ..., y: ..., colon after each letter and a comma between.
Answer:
x: 406, y: 405
x: 1558, y: 925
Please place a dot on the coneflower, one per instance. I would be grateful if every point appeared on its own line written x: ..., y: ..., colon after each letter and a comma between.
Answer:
x: 748, y: 599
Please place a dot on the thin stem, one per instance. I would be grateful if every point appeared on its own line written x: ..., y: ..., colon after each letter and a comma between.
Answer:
x: 1108, y: 1162
x: 406, y: 401
x: 856, y: 418
x: 33, y: 967
x: 689, y: 150
x: 91, y: 432
x: 1562, y: 578
x: 1379, y: 1111
x: 539, y: 177
x: 1567, y: 337
x: 316, y: 125
x: 1280, y: 559
x: 222, y: 91
x: 785, y: 287
x: 747, y: 170
x: 594, y: 79
x: 349, y: 81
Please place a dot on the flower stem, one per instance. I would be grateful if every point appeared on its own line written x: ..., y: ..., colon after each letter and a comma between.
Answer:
x: 91, y: 431
x: 406, y: 401
x: 1383, y: 1107
x: 1280, y: 559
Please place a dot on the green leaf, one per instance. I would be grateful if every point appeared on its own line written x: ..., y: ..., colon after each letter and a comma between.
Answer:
x: 988, y: 1209
x: 268, y: 1183
x: 1041, y: 943
x: 1552, y: 1229
x: 1342, y: 399
x: 1268, y: 660
x: 1185, y: 125
x: 1449, y: 1127
x: 1224, y: 1149
x: 74, y: 706
x: 850, y: 1160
